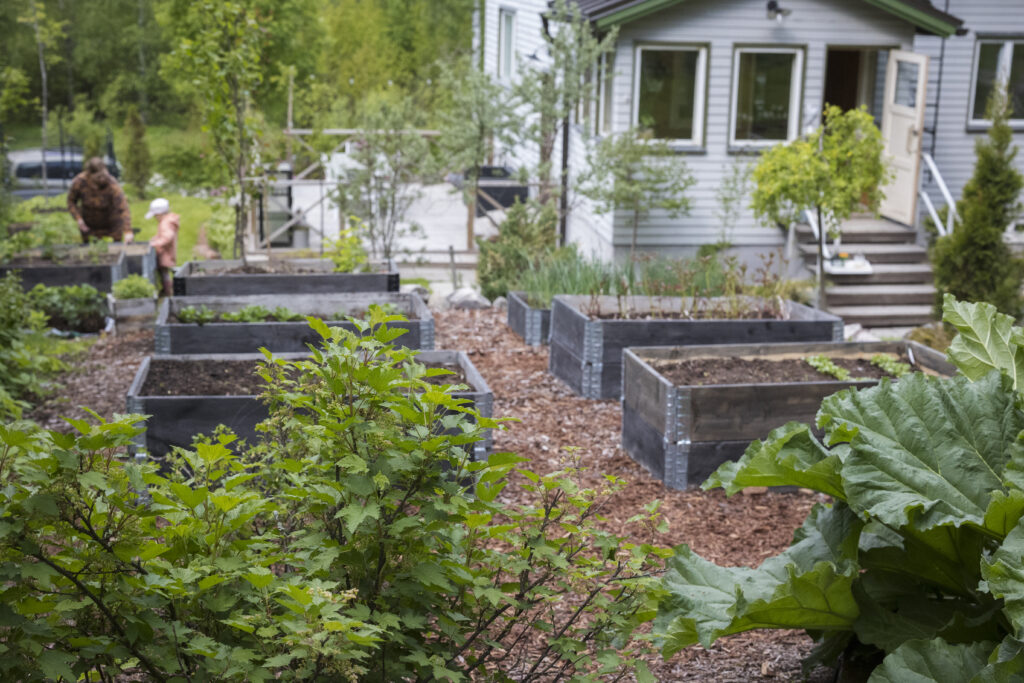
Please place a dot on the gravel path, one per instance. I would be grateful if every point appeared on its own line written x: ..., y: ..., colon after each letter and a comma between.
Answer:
x: 743, y: 530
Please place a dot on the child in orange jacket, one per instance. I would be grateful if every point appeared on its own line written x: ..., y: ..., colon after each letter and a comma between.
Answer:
x: 166, y: 240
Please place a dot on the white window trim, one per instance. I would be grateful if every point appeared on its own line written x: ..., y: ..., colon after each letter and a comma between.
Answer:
x: 697, y: 140
x: 795, y: 94
x: 1002, y: 74
x: 509, y: 73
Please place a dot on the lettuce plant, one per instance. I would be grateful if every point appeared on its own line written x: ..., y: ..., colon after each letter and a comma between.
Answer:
x: 919, y: 556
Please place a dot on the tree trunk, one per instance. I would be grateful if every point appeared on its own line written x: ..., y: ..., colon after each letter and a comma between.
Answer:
x: 143, y: 99
x: 42, y: 78
x: 822, y: 303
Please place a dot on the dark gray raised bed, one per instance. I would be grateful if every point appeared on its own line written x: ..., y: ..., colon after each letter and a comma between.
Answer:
x: 102, y: 276
x: 179, y: 338
x: 196, y: 278
x: 532, y: 324
x: 587, y: 353
x: 683, y: 433
x: 175, y: 420
x: 140, y: 258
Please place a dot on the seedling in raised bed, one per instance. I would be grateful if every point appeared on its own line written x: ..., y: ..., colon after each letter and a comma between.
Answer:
x: 890, y: 365
x: 200, y: 315
x: 249, y: 314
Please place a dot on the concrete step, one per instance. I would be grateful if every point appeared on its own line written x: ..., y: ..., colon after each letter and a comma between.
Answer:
x: 888, y: 273
x: 885, y: 316
x: 880, y: 295
x: 866, y: 229
x: 875, y: 253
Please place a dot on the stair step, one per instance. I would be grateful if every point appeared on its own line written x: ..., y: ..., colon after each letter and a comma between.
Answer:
x: 888, y: 273
x: 885, y: 316
x: 866, y: 230
x: 875, y: 253
x: 881, y: 295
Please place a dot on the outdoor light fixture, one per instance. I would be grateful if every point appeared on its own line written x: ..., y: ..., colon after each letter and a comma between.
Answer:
x: 776, y: 12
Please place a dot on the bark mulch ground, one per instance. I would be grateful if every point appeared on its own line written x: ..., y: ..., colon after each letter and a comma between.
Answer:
x: 743, y: 530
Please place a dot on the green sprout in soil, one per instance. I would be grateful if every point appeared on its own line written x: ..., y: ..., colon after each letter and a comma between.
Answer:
x: 890, y: 365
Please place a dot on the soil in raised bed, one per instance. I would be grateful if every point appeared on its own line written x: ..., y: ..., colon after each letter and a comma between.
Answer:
x: 709, y: 371
x: 104, y: 259
x: 755, y: 314
x: 340, y: 315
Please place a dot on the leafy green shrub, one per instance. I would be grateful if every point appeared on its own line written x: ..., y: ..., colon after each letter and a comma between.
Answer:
x: 134, y: 286
x: 200, y: 316
x: 919, y: 554
x: 138, y: 162
x: 356, y: 541
x: 347, y: 251
x: 47, y: 224
x: 79, y: 308
x: 253, y: 313
x: 974, y: 263
x: 191, y: 165
x: 566, y: 272
x: 526, y: 235
x: 220, y: 229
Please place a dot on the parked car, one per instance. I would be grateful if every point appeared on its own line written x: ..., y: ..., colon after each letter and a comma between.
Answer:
x: 26, y: 171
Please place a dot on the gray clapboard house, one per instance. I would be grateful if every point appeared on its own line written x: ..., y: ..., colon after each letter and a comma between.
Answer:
x: 721, y: 80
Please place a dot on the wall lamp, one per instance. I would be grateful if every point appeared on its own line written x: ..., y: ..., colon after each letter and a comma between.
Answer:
x: 776, y: 12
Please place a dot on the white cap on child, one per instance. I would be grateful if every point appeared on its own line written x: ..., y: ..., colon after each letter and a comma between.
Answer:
x: 158, y: 207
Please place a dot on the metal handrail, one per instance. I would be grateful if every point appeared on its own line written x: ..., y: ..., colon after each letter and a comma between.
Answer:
x: 951, y: 215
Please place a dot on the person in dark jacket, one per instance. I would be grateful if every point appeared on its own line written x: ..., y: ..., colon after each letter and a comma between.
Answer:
x: 97, y: 203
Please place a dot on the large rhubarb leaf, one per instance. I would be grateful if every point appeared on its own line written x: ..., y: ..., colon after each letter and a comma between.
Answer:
x: 1004, y: 577
x: 808, y: 586
x: 928, y: 661
x: 925, y: 451
x: 1005, y: 664
x: 790, y: 456
x: 987, y: 340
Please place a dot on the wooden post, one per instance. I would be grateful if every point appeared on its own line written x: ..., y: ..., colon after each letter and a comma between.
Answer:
x: 470, y: 217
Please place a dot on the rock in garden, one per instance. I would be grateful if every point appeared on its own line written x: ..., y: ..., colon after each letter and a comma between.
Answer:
x: 467, y: 298
x: 414, y: 288
x: 501, y: 303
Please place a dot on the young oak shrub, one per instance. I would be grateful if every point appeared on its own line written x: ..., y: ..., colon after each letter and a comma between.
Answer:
x: 355, y: 540
x: 920, y: 555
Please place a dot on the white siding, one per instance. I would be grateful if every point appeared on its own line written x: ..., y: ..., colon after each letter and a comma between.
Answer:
x: 953, y: 144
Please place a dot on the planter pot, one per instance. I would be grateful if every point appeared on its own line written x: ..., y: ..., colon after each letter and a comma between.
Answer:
x: 132, y: 313
x: 586, y: 353
x: 281, y: 337
x: 102, y: 276
x: 197, y: 278
x: 683, y: 433
x: 532, y: 324
x: 175, y: 420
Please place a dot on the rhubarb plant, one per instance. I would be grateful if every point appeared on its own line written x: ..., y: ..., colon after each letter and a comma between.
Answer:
x: 918, y: 559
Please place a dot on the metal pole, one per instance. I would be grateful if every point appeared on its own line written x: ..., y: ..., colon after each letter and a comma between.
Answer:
x: 451, y: 259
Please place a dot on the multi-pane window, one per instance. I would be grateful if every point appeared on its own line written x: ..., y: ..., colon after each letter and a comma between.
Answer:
x: 669, y: 98
x: 998, y: 61
x: 506, y: 43
x: 765, y: 95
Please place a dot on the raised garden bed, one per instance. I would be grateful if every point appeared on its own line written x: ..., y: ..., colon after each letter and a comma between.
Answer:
x: 132, y: 313
x: 192, y: 394
x: 683, y: 432
x: 140, y: 258
x: 532, y: 324
x: 587, y: 341
x: 282, y: 337
x: 76, y: 266
x: 287, y: 276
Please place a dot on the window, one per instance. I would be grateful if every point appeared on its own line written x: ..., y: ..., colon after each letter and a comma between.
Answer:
x: 765, y: 95
x: 506, y: 43
x: 669, y: 98
x: 998, y: 61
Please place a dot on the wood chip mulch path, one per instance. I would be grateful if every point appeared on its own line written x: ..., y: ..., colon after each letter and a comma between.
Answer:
x: 743, y: 530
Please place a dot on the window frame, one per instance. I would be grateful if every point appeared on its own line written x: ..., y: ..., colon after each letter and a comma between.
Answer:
x: 697, y: 139
x: 507, y: 73
x: 796, y: 93
x: 1007, y: 42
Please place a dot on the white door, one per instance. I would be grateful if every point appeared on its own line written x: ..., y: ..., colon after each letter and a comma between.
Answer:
x: 906, y: 79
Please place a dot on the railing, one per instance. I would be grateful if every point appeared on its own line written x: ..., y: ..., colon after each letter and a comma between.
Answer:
x: 951, y: 215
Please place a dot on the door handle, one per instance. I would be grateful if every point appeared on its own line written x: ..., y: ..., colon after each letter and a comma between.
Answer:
x: 911, y: 134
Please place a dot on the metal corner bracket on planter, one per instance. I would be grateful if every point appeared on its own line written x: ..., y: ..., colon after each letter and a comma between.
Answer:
x: 175, y: 420
x: 282, y: 337
x: 102, y: 276
x: 532, y: 324
x: 195, y: 278
x: 681, y: 434
x: 586, y: 353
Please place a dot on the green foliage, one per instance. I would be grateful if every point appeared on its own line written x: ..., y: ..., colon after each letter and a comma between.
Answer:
x: 283, y: 315
x: 199, y: 316
x: 253, y: 313
x: 919, y: 554
x: 138, y: 164
x: 974, y: 263
x: 847, y: 172
x: 525, y: 236
x: 82, y: 126
x: 357, y: 540
x: 134, y: 286
x: 347, y: 251
x: 79, y: 308
x: 567, y: 272
x: 47, y: 223
x: 192, y: 164
x: 890, y: 365
x: 827, y: 366
x: 731, y: 193
x: 632, y: 172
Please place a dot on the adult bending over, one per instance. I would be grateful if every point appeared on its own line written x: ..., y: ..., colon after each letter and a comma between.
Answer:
x: 97, y: 203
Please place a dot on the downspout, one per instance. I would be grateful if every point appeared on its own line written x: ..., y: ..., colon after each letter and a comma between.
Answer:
x: 938, y: 92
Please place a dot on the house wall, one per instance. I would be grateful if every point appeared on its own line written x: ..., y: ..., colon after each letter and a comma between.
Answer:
x: 952, y: 144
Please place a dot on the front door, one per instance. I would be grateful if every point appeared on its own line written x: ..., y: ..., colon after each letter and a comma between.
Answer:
x: 906, y: 78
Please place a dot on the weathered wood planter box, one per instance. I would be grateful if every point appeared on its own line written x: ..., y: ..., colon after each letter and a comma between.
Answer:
x: 586, y: 353
x: 683, y: 433
x: 101, y: 275
x: 175, y: 420
x: 317, y: 277
x: 132, y: 313
x: 282, y: 337
x: 140, y: 258
x: 532, y: 324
